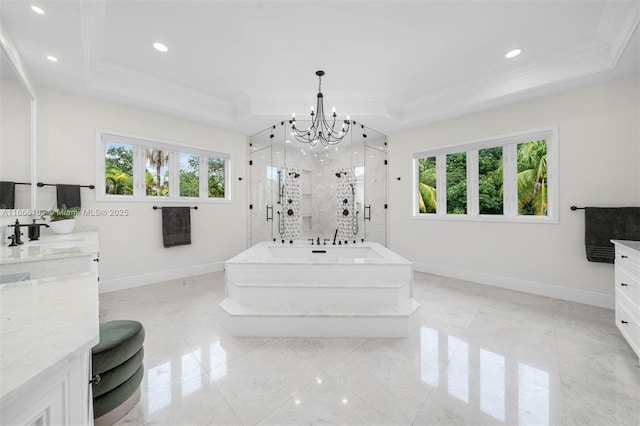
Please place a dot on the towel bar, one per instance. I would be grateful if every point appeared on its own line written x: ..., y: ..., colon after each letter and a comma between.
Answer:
x: 160, y: 208
x: 40, y: 184
x: 576, y: 208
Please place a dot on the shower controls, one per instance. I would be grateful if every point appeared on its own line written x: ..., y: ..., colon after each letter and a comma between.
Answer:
x: 345, y: 212
x: 345, y: 201
x: 290, y: 201
x: 290, y: 212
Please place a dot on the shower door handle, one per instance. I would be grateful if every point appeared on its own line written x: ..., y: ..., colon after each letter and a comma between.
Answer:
x: 367, y: 212
x: 269, y: 208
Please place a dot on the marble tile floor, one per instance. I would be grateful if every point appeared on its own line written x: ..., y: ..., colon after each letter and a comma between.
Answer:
x: 482, y: 355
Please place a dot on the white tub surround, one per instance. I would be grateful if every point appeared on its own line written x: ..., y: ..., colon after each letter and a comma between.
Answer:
x: 51, y: 255
x: 627, y: 279
x: 47, y: 329
x: 304, y: 290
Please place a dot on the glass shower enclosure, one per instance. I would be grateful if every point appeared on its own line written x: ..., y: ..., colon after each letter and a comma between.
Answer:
x: 300, y: 192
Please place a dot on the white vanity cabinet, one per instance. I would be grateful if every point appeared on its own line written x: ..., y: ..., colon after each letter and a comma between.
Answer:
x: 627, y: 293
x: 48, y: 326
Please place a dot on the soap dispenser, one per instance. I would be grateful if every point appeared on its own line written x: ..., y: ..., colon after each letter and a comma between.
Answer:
x: 34, y: 230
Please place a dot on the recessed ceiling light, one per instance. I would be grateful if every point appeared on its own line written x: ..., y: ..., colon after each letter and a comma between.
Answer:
x: 37, y: 9
x: 513, y: 53
x: 52, y: 58
x: 160, y: 47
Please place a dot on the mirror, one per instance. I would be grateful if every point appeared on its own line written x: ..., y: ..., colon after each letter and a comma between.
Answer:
x: 17, y: 130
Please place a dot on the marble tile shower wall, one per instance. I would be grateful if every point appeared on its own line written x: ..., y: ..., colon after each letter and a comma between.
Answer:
x: 318, y: 173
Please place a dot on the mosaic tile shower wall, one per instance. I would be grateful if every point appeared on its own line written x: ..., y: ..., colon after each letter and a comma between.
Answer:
x: 291, y: 204
x: 345, y: 205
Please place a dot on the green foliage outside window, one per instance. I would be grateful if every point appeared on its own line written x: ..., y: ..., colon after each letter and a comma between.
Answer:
x: 216, y: 174
x: 189, y: 176
x: 427, y: 185
x: 532, y: 178
x: 457, y: 183
x: 158, y: 184
x: 532, y: 181
x: 119, y: 169
x: 490, y: 180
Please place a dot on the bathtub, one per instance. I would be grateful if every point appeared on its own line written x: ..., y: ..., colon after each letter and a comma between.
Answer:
x: 304, y: 290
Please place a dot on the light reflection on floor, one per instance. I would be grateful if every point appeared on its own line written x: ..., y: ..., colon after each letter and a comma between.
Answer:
x: 482, y: 355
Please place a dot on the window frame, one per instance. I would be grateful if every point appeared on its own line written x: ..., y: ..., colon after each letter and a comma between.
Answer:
x: 139, y: 144
x: 509, y: 144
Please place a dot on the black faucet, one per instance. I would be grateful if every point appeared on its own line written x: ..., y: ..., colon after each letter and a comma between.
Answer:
x: 318, y: 241
x: 324, y: 241
x: 15, y: 238
x: 335, y: 236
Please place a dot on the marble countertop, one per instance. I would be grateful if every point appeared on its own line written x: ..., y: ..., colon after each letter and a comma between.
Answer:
x: 633, y: 245
x: 42, y: 323
x: 51, y: 247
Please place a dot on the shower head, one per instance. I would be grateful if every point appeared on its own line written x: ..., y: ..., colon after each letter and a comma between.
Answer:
x: 339, y: 174
x: 294, y: 174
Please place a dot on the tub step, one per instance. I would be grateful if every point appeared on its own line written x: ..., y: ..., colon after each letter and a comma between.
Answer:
x: 396, y: 320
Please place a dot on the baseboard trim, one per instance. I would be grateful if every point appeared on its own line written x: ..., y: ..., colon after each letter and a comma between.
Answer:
x: 158, y: 277
x: 540, y: 289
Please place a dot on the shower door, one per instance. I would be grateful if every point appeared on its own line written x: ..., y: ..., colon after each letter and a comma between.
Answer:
x: 375, y: 188
x: 263, y: 186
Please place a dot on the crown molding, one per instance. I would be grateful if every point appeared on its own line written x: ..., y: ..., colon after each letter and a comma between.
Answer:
x: 617, y: 24
x: 577, y: 61
x: 141, y: 87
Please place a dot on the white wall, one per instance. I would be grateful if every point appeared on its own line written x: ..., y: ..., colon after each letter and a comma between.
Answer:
x: 131, y: 249
x: 599, y: 165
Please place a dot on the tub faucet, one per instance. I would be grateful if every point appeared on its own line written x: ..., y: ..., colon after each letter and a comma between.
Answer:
x: 318, y: 241
x: 335, y: 236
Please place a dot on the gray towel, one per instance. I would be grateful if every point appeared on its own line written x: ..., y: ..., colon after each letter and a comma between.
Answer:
x: 68, y: 196
x: 602, y: 224
x: 176, y: 226
x: 7, y: 195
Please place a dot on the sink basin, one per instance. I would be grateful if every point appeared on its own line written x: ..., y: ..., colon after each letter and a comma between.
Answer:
x: 11, y: 278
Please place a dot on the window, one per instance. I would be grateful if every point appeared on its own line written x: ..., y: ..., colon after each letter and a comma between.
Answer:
x: 506, y: 178
x: 118, y: 169
x: 135, y: 169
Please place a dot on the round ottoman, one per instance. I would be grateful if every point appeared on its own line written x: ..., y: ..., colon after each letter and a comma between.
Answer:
x: 117, y: 359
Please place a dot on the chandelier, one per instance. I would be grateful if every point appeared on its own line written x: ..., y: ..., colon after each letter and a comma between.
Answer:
x: 320, y: 129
